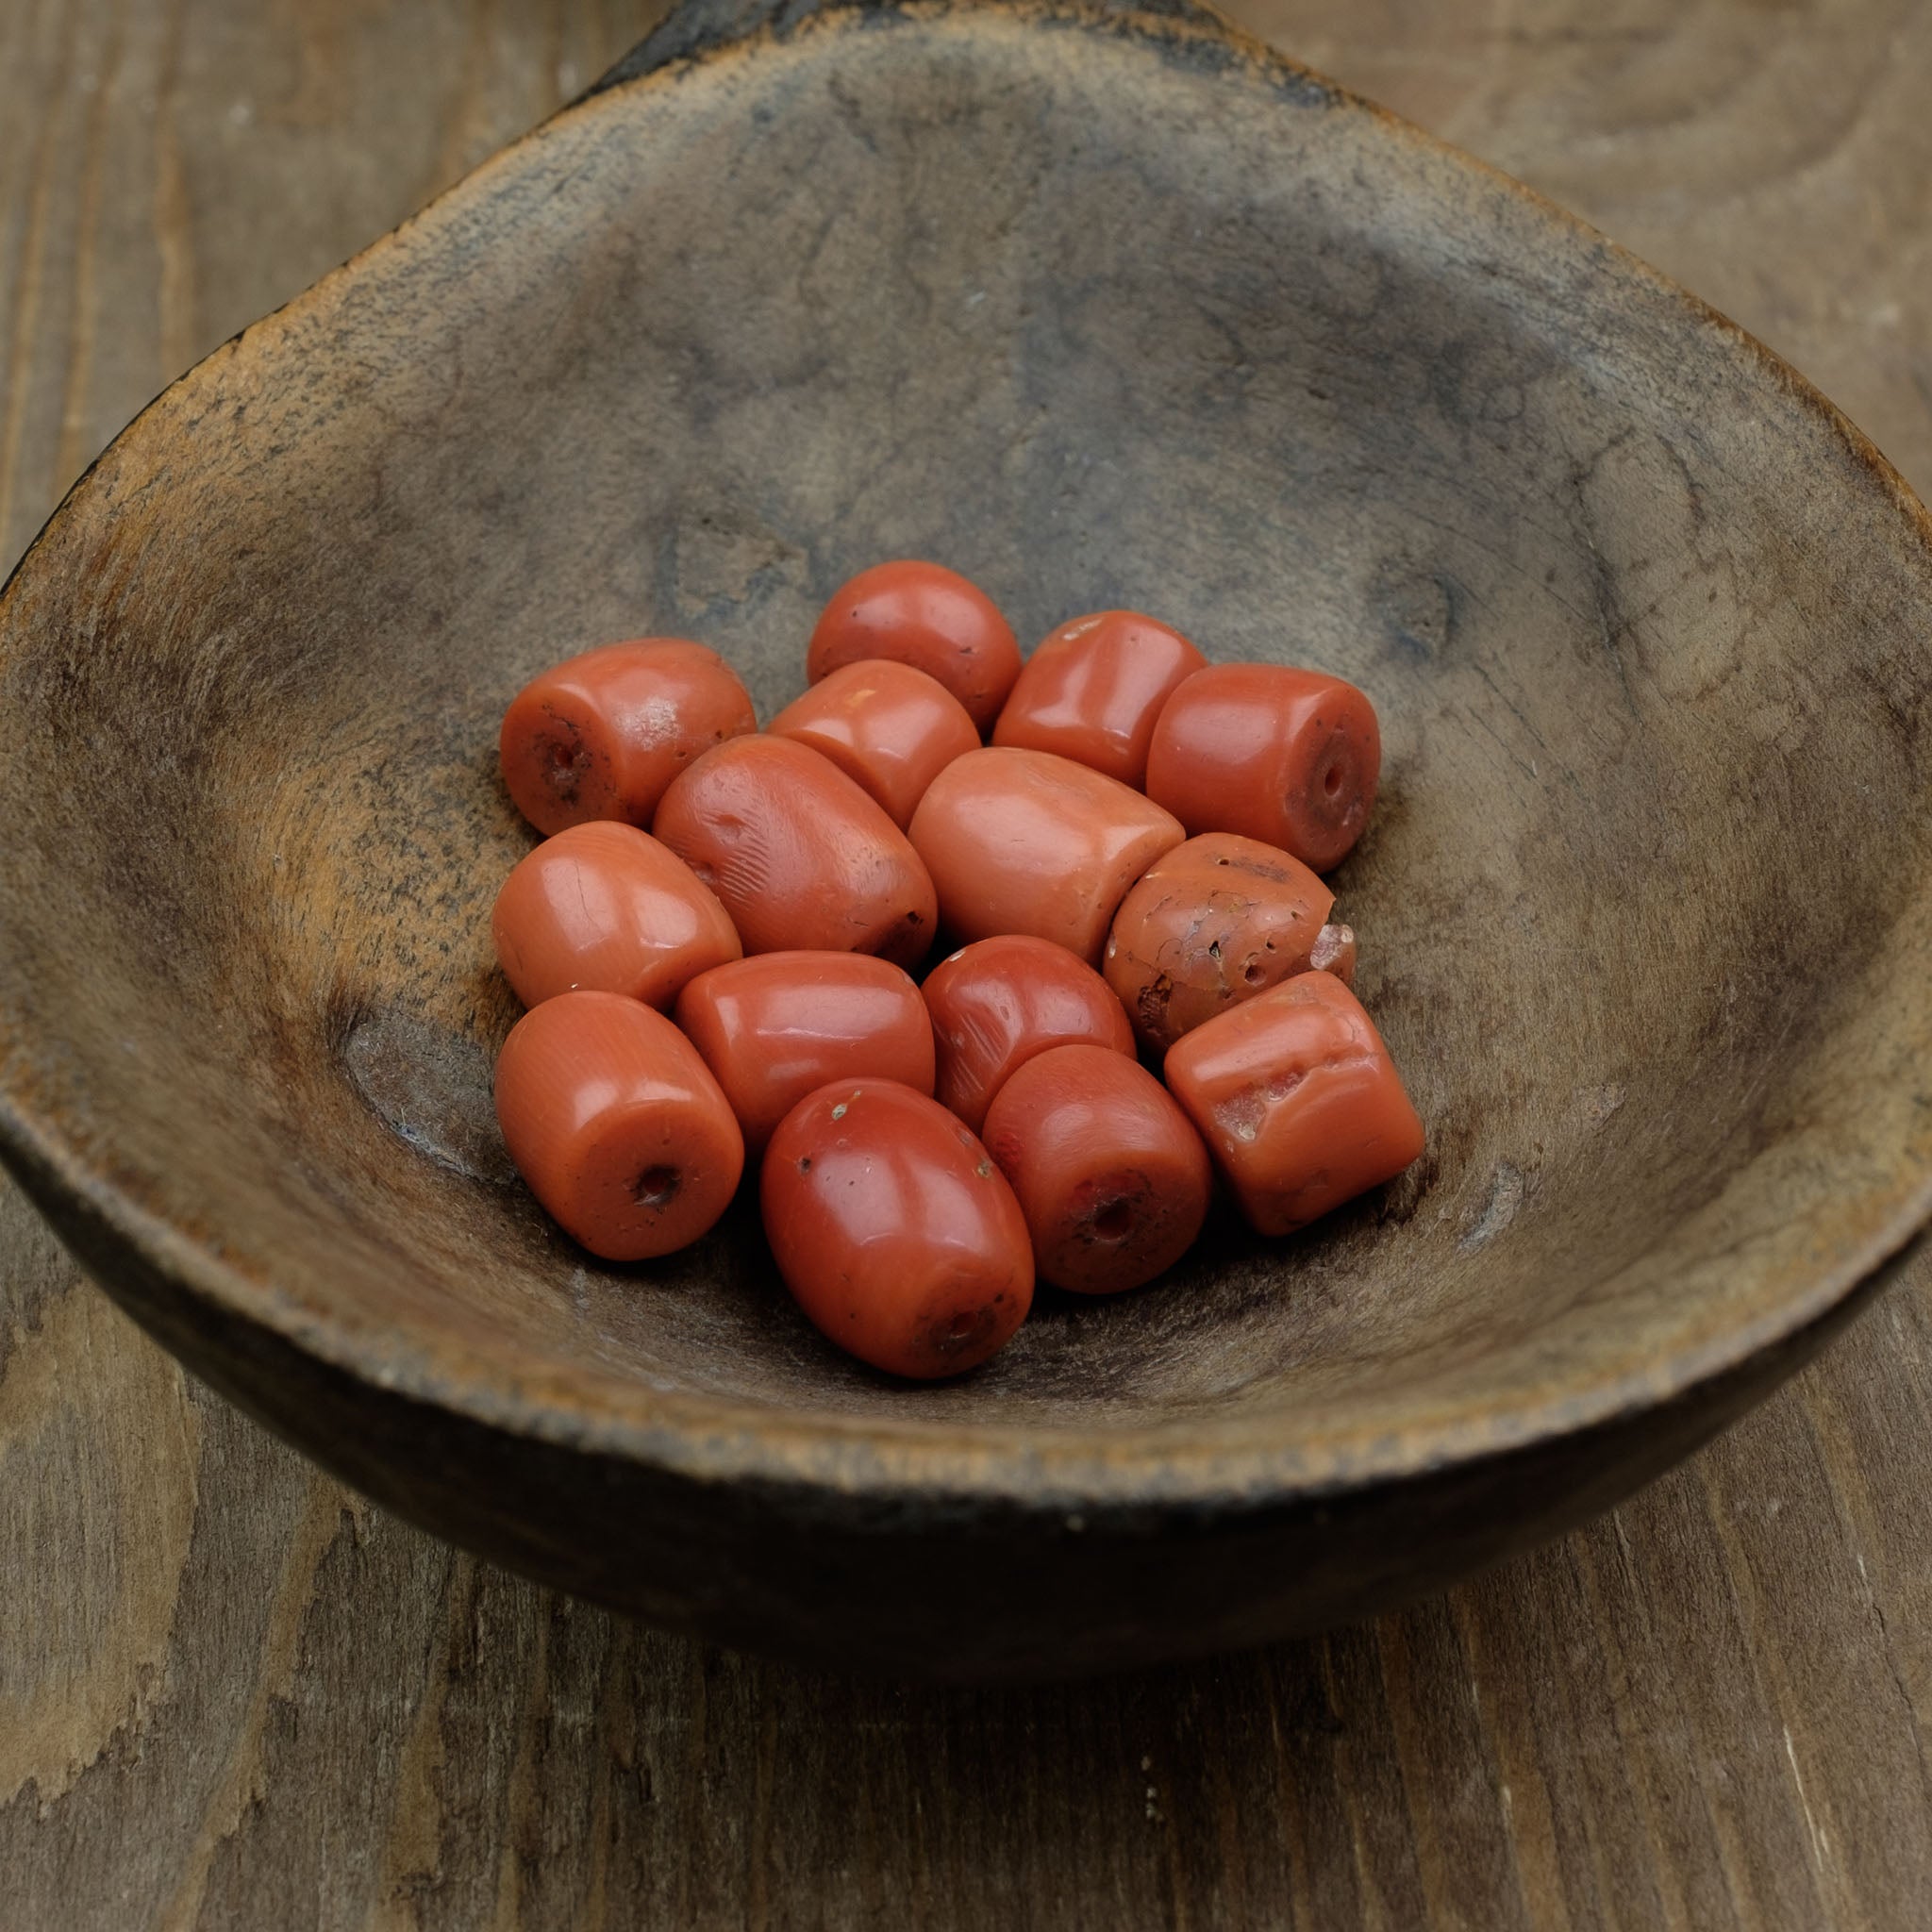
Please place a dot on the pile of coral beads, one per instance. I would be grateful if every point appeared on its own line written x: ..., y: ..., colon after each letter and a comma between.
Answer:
x: 1150, y: 989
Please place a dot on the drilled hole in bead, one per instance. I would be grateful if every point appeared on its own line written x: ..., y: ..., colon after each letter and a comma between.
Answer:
x: 657, y: 1187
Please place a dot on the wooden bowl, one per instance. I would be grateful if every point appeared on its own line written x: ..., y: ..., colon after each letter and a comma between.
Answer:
x: 1101, y: 310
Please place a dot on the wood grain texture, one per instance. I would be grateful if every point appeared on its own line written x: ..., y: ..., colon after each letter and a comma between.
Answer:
x: 232, y: 1695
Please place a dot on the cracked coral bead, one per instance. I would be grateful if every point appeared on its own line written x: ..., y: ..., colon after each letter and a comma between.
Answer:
x: 1215, y: 922
x: 1298, y: 1100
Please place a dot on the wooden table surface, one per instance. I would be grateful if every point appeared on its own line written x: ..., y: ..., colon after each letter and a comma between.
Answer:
x: 233, y: 1694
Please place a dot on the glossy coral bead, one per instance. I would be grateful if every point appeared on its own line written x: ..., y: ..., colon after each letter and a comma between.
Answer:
x: 1109, y: 1173
x: 602, y: 735
x: 998, y: 1002
x: 1298, y: 1100
x: 778, y: 1026
x: 894, y: 1229
x: 604, y: 908
x: 924, y: 615
x: 1093, y: 688
x: 616, y: 1125
x: 802, y: 859
x: 1291, y: 758
x: 889, y: 728
x: 1025, y: 842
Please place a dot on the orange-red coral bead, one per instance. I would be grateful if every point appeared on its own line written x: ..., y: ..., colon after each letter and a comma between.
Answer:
x: 1298, y: 1101
x: 1112, y: 1177
x: 1291, y: 758
x: 1027, y: 842
x: 617, y: 1124
x: 998, y: 1002
x: 776, y: 1027
x: 801, y: 857
x: 601, y: 735
x: 926, y: 616
x: 1093, y: 689
x: 895, y: 1231
x: 604, y: 908
x: 1210, y: 923
x: 889, y: 728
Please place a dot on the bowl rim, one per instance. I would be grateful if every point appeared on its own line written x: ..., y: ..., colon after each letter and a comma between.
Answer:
x: 713, y: 1438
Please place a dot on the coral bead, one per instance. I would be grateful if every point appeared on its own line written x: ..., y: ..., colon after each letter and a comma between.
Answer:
x: 997, y: 1003
x: 1112, y: 1178
x: 604, y: 908
x: 1210, y: 923
x: 778, y: 1026
x: 616, y: 1125
x: 1025, y: 842
x: 926, y: 616
x: 889, y: 728
x: 1291, y: 758
x: 1298, y: 1101
x: 803, y: 861
x: 1093, y: 689
x: 600, y: 735
x: 895, y: 1231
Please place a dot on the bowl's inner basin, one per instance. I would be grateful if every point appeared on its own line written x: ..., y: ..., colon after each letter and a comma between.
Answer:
x: 1098, y: 324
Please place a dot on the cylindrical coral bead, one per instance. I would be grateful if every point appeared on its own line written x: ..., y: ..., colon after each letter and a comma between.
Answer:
x: 801, y: 857
x: 601, y: 735
x: 617, y: 1124
x: 1025, y: 842
x: 1109, y: 1173
x: 1291, y: 758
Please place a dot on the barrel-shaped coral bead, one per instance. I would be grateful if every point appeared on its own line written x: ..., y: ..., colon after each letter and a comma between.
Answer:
x: 1288, y: 756
x: 1298, y: 1100
x: 616, y: 1125
x: 777, y: 1027
x: 601, y: 735
x: 1093, y: 689
x: 1027, y: 842
x: 1109, y: 1173
x: 998, y: 1002
x: 894, y: 1229
x: 889, y: 728
x: 604, y: 907
x: 803, y: 861
x: 924, y: 615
